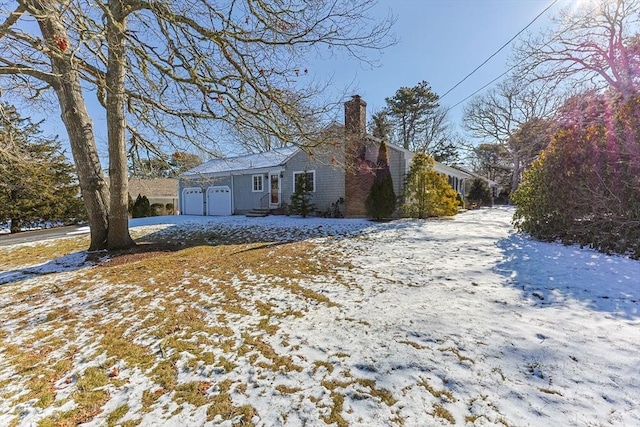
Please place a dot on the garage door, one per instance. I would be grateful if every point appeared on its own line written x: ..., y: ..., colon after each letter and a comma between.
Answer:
x: 219, y: 201
x: 192, y: 201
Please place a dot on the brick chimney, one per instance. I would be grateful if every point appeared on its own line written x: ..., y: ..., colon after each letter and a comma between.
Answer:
x: 358, y: 177
x: 355, y: 117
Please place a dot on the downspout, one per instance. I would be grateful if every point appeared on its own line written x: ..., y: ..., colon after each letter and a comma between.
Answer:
x: 233, y: 201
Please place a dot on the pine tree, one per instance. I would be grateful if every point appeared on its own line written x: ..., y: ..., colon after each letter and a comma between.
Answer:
x: 381, y: 201
x: 480, y: 194
x: 427, y: 193
x: 37, y: 182
x: 141, y: 207
x: 301, y: 198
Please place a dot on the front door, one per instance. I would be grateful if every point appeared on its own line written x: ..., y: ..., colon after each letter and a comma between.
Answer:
x: 274, y: 186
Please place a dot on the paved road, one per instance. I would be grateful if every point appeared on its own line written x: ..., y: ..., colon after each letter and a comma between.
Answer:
x: 37, y: 235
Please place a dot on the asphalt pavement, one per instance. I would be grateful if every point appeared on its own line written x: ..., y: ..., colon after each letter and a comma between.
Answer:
x: 45, y: 234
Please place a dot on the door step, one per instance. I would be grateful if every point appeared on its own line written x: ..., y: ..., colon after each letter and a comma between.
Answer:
x: 257, y: 213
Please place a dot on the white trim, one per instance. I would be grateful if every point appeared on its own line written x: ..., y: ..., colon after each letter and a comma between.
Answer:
x: 312, y: 171
x: 253, y: 182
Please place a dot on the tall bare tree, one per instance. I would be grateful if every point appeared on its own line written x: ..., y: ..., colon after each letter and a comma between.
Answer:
x: 597, y: 44
x: 497, y: 115
x: 169, y: 70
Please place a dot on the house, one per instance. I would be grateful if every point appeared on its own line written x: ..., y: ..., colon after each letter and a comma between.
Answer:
x: 157, y: 190
x: 341, y: 168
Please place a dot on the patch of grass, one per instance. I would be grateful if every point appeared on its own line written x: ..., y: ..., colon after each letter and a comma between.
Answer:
x: 118, y: 347
x: 92, y: 378
x: 278, y: 363
x: 549, y: 391
x: 150, y: 397
x: 441, y: 412
x: 445, y: 395
x: 226, y: 364
x: 38, y: 253
x: 115, y: 415
x: 265, y: 325
x: 165, y: 374
x: 89, y: 404
x: 222, y: 405
x: 283, y: 389
x: 412, y: 344
x: 384, y: 395
x: 461, y: 357
x: 362, y: 322
x: 185, y: 300
x: 194, y: 393
x: 317, y: 364
x: 335, y: 417
x: 498, y: 370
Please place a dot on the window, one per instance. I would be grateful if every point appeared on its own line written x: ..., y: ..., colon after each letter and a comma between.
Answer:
x: 310, y: 180
x: 257, y: 183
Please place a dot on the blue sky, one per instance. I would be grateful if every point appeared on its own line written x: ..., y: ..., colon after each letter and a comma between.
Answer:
x: 439, y: 41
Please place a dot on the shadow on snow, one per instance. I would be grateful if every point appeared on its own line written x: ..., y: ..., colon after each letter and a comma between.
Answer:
x: 550, y: 274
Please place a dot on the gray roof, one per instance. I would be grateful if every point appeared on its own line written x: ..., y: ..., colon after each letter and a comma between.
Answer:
x: 152, y: 187
x: 265, y: 160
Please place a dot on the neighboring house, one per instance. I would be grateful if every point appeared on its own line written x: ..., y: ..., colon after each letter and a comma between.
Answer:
x: 340, y: 168
x: 157, y: 190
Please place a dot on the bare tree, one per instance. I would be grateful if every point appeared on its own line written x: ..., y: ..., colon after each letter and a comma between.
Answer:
x: 492, y: 161
x: 440, y: 139
x: 497, y: 115
x: 597, y: 44
x: 170, y: 70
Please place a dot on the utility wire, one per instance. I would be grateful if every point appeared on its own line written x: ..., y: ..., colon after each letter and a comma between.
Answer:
x: 483, y: 87
x: 495, y: 53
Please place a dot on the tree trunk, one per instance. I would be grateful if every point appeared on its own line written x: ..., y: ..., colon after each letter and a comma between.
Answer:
x: 78, y: 124
x: 118, y: 236
x: 515, y: 178
x: 15, y: 225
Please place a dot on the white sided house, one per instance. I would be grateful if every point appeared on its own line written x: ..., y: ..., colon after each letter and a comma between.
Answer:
x: 341, y: 169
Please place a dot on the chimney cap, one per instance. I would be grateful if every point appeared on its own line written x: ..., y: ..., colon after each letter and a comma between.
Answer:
x: 357, y: 98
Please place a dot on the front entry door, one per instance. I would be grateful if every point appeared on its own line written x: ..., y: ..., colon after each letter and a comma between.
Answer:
x: 274, y: 186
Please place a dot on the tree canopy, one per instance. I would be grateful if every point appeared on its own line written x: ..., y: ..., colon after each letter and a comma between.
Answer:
x: 168, y: 71
x: 596, y: 44
x: 37, y: 182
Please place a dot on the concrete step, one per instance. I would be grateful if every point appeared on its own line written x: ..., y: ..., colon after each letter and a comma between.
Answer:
x: 256, y: 213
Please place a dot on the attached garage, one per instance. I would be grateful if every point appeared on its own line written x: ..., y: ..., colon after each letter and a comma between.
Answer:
x: 192, y: 201
x: 219, y: 201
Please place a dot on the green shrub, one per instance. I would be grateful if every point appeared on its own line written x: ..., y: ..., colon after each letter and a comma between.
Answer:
x: 141, y: 207
x: 301, y: 198
x: 426, y: 192
x: 157, y: 209
x: 381, y: 201
x: 480, y: 193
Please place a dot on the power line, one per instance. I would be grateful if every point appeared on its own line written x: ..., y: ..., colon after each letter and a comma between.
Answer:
x: 496, y: 52
x: 483, y: 87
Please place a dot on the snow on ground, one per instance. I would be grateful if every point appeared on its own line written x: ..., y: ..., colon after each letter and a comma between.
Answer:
x: 444, y: 321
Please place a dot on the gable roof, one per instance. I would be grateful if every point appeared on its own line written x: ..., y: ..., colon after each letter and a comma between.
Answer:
x: 265, y: 160
x: 152, y: 187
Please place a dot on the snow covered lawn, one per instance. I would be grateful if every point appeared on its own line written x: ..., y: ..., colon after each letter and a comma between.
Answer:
x: 282, y: 321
